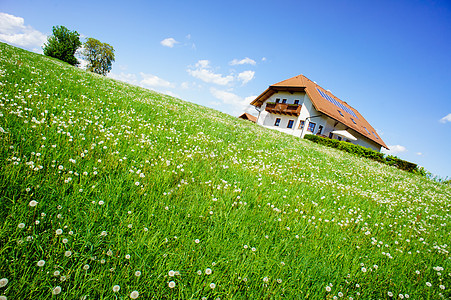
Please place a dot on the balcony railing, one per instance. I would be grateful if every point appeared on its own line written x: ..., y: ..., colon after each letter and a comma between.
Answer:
x: 283, y: 109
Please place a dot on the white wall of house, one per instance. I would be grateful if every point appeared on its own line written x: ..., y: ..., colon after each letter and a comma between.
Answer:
x: 309, y: 115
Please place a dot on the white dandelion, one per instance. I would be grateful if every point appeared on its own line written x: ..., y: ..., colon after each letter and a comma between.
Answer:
x: 138, y: 273
x: 67, y: 253
x: 21, y: 225
x: 116, y: 288
x: 134, y: 295
x: 3, y: 282
x: 33, y: 203
x: 59, y: 231
x: 171, y: 273
x: 56, y: 290
x: 208, y: 271
x: 41, y: 263
x: 212, y: 285
x: 171, y: 284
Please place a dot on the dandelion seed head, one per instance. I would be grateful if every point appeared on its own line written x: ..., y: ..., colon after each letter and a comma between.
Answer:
x: 171, y: 273
x: 21, y: 225
x: 138, y: 273
x: 134, y: 295
x: 116, y: 288
x: 208, y: 271
x: 33, y: 203
x: 171, y: 284
x: 41, y: 263
x: 212, y: 285
x: 3, y: 282
x: 56, y: 290
x: 59, y: 231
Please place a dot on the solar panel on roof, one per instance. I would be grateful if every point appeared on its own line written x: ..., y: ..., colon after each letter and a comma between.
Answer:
x: 336, y: 103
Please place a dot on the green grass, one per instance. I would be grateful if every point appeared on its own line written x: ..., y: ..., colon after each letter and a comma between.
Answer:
x: 122, y: 170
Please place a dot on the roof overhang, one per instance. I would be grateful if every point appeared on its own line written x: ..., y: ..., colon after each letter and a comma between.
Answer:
x: 273, y: 90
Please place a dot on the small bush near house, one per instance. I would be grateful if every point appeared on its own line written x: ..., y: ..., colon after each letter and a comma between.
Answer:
x: 363, y: 152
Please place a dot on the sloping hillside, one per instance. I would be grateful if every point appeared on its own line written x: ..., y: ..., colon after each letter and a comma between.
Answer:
x: 109, y: 190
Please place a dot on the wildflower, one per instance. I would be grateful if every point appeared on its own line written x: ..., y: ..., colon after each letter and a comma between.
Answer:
x: 441, y: 286
x: 138, y: 273
x: 3, y: 282
x: 103, y: 233
x: 279, y: 280
x: 116, y: 288
x: 130, y: 226
x: 67, y: 253
x: 56, y: 273
x: 3, y: 298
x: 56, y: 290
x: 199, y: 272
x: 127, y: 256
x: 328, y: 289
x: 109, y: 253
x: 208, y: 271
x: 59, y: 231
x: 63, y: 278
x: 171, y: 273
x: 65, y: 241
x: 86, y: 267
x: 390, y: 294
x: 212, y: 285
x: 197, y: 241
x: 340, y: 294
x: 363, y: 269
x: 33, y: 203
x: 253, y: 249
x: 428, y: 284
x: 41, y: 263
x: 265, y: 279
x: 101, y: 202
x: 171, y: 284
x: 134, y: 295
x: 21, y: 225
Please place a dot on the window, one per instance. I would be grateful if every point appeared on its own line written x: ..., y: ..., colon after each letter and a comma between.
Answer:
x: 339, y: 138
x: 284, y: 101
x: 277, y: 123
x: 290, y: 124
x: 340, y: 113
x: 301, y: 125
x: 296, y: 101
x: 320, y: 129
x: 311, y: 127
x: 277, y: 100
x: 353, y: 121
x: 331, y: 135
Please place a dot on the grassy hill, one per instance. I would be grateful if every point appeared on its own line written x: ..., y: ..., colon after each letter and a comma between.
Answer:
x: 106, y: 184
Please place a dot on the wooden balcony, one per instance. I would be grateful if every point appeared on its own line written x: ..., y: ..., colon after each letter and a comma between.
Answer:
x: 283, y: 109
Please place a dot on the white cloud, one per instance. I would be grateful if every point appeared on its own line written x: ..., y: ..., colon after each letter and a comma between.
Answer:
x: 149, y: 80
x: 446, y: 118
x: 395, y: 149
x: 169, y: 42
x: 246, y: 76
x: 202, y: 71
x: 246, y: 60
x: 237, y: 103
x: 419, y: 153
x: 14, y: 31
x: 125, y: 77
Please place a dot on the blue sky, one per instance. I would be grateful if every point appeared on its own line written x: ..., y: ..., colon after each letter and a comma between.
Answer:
x: 388, y: 59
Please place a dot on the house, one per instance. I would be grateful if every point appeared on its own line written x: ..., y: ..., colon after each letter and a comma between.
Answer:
x: 249, y: 117
x: 299, y: 106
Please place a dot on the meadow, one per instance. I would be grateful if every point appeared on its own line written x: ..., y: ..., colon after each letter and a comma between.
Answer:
x: 112, y: 191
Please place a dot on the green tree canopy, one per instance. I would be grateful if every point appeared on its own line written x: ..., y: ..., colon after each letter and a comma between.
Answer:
x: 100, y: 56
x: 63, y: 44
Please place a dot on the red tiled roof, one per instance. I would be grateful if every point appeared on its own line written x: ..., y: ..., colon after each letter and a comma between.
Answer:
x: 349, y: 116
x: 249, y: 117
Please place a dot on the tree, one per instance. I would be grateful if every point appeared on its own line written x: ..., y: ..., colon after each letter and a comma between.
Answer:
x: 100, y: 56
x: 63, y: 44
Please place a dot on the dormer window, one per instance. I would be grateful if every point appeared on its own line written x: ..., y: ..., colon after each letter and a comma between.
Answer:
x: 277, y: 100
x: 296, y: 101
x: 340, y: 113
x: 284, y: 101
